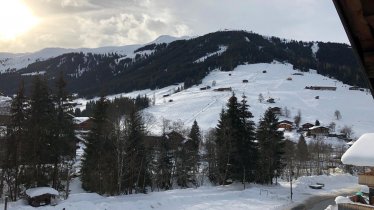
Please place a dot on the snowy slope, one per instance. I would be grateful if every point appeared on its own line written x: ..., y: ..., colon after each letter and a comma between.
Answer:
x: 16, y: 61
x: 356, y: 107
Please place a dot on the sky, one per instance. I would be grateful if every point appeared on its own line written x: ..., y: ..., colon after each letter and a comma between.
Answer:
x: 31, y: 25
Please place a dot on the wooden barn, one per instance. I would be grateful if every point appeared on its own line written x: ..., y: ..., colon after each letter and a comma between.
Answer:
x: 306, y: 126
x: 82, y: 123
x: 41, y: 196
x: 276, y: 110
x: 286, y: 126
x: 319, y: 131
x: 223, y: 89
x: 320, y: 88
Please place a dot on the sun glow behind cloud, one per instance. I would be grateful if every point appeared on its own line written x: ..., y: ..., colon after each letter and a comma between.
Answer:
x: 15, y: 19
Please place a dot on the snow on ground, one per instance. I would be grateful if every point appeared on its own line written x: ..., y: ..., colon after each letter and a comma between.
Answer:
x: 205, y: 105
x: 315, y: 49
x: 356, y: 107
x: 34, y: 73
x: 231, y: 197
x: 221, y: 50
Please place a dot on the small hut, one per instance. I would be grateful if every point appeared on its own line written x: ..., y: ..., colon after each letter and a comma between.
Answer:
x: 41, y: 196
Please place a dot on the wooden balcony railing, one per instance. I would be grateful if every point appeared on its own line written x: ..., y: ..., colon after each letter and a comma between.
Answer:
x: 354, y: 206
x: 366, y: 179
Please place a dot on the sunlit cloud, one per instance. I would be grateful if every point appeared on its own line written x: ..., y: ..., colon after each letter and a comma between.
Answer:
x: 15, y: 19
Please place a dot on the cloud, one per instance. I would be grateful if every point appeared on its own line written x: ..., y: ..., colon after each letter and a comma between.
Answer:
x: 94, y: 23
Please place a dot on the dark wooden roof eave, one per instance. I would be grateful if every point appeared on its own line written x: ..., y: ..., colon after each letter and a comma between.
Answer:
x: 359, y: 32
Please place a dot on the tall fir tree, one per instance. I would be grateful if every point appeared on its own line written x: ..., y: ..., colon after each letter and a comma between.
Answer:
x: 136, y: 156
x: 223, y: 148
x: 247, y: 147
x: 63, y: 149
x: 98, y: 172
x: 164, y: 165
x: 16, y: 136
x: 271, y: 148
x: 42, y: 129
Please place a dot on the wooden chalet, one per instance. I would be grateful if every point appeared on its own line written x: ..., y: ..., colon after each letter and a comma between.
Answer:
x: 41, y: 196
x: 276, y: 110
x: 306, y: 126
x: 320, y: 88
x: 286, y: 126
x: 175, y: 140
x: 319, y: 131
x: 286, y: 121
x: 270, y: 100
x: 223, y: 89
x: 82, y: 123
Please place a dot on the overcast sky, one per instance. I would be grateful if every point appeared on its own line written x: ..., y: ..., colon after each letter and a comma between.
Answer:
x: 95, y: 23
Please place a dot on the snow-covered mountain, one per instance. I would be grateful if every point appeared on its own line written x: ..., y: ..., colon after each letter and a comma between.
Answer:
x: 187, y: 61
x: 10, y: 62
x: 279, y: 82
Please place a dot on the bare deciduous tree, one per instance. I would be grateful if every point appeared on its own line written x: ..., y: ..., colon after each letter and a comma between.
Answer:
x: 337, y: 115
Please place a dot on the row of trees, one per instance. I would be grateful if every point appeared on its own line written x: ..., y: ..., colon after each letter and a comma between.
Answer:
x: 120, y: 158
x: 238, y: 151
x: 39, y: 144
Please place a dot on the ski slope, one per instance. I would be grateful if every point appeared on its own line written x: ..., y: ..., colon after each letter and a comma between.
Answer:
x: 204, y: 106
x: 356, y: 107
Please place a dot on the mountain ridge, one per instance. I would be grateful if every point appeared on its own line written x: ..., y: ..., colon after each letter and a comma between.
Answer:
x: 187, y: 61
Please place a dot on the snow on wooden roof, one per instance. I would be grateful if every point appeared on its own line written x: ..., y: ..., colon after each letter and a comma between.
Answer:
x: 361, y: 153
x: 37, y: 191
x: 317, y: 126
x: 79, y: 120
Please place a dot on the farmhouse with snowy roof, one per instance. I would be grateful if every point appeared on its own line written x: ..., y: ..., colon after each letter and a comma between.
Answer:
x: 276, y: 110
x: 319, y: 131
x: 285, y: 125
x: 306, y: 126
x: 82, y: 123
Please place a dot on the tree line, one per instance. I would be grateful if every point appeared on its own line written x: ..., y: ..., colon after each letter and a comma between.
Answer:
x: 39, y: 144
x: 121, y: 157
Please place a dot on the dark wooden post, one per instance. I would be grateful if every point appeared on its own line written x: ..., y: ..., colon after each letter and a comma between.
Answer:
x: 6, y: 203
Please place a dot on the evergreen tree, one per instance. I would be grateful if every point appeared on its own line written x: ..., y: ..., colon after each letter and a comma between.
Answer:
x: 136, y: 156
x: 164, y: 164
x: 302, y: 153
x: 247, y: 148
x: 189, y: 158
x: 223, y: 147
x: 42, y: 130
x: 236, y: 149
x: 63, y: 145
x: 16, y: 136
x: 271, y: 148
x: 98, y: 173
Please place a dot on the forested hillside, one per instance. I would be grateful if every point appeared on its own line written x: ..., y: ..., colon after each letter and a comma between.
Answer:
x: 185, y: 61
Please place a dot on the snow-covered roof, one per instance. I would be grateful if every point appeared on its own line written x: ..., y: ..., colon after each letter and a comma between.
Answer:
x: 79, y: 120
x: 361, y: 153
x: 316, y: 126
x: 37, y: 191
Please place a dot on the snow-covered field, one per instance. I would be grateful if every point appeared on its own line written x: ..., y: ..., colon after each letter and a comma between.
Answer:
x: 231, y: 197
x: 356, y: 107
